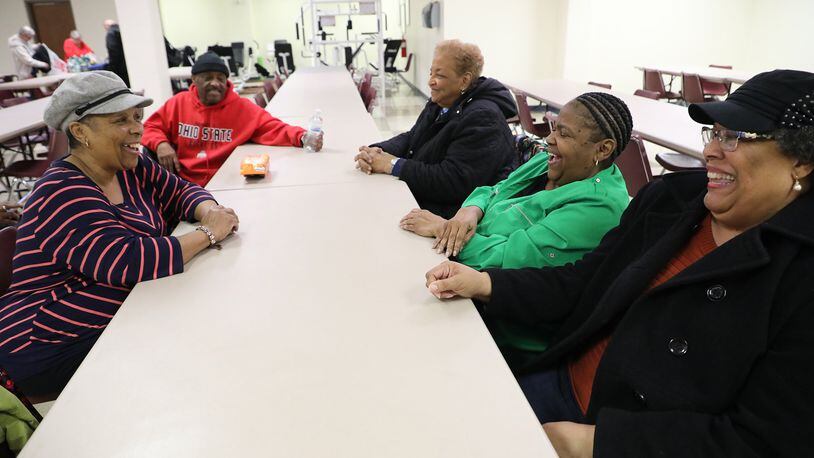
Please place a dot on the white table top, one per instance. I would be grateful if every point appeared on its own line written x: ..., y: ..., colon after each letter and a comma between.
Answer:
x: 336, y: 95
x: 662, y: 123
x: 310, y: 334
x: 32, y: 83
x: 22, y: 118
x: 719, y: 75
x: 290, y: 166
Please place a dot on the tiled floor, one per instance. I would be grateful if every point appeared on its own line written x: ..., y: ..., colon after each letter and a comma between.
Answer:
x: 404, y: 104
x: 402, y: 107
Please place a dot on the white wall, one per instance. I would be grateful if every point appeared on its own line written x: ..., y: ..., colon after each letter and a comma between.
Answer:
x: 143, y: 42
x: 421, y: 42
x: 779, y: 35
x: 515, y: 36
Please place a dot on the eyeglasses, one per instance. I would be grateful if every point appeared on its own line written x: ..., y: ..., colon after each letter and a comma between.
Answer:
x: 728, y: 139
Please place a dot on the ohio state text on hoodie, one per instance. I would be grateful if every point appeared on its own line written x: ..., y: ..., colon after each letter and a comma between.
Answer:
x: 191, y: 127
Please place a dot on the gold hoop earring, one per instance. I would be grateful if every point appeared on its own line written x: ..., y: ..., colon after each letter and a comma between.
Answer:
x: 797, y: 186
x: 596, y: 162
x: 87, y: 144
x: 463, y: 90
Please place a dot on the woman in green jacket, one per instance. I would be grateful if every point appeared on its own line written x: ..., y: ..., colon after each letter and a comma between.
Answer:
x: 550, y: 211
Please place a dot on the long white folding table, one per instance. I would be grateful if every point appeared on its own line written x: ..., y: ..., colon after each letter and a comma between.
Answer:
x: 19, y: 119
x: 295, y: 166
x: 329, y: 89
x: 32, y: 83
x: 309, y: 334
x: 180, y: 73
x: 662, y: 123
x: 718, y: 75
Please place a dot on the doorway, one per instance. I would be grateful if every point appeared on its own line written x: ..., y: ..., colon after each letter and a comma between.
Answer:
x: 53, y: 21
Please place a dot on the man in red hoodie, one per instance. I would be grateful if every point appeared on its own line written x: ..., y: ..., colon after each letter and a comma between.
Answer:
x: 212, y: 119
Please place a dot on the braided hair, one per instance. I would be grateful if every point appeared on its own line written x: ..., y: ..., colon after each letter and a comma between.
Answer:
x: 611, y: 116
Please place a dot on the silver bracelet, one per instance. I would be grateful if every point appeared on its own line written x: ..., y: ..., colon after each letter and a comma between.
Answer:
x: 208, y: 233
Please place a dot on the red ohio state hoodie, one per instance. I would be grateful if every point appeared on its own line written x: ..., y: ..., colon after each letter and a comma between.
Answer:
x: 191, y: 127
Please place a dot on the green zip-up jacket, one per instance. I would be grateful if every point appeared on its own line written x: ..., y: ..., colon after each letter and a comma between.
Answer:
x: 548, y: 228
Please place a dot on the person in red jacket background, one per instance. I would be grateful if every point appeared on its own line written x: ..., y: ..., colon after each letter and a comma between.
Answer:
x: 75, y: 46
x: 212, y: 118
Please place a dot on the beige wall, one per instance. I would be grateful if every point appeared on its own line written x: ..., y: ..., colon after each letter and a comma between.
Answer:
x: 576, y: 39
x: 201, y: 23
x: 89, y: 16
x: 517, y: 37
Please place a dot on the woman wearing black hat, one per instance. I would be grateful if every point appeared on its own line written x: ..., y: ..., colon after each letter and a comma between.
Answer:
x: 687, y: 332
x: 96, y: 223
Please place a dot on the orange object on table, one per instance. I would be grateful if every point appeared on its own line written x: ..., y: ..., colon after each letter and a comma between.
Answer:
x: 256, y: 165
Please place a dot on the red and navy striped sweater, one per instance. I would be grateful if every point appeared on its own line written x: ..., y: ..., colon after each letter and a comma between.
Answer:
x: 78, y: 256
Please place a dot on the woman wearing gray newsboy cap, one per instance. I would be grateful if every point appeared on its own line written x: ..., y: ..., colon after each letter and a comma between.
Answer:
x: 96, y: 223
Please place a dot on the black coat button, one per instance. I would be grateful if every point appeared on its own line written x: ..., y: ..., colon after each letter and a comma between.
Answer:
x: 678, y: 347
x: 716, y: 293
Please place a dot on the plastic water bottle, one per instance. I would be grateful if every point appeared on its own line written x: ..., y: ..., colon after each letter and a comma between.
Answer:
x: 314, y: 129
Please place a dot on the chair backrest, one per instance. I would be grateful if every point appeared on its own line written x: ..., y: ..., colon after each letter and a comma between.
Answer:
x: 409, y: 62
x: 8, y: 238
x: 715, y: 88
x: 391, y: 52
x: 691, y: 90
x: 268, y: 87
x: 369, y: 97
x: 634, y: 165
x: 605, y: 85
x: 14, y: 101
x: 57, y: 145
x: 367, y: 80
x: 260, y: 100
x: 551, y: 119
x: 524, y: 112
x: 646, y: 93
x: 653, y: 82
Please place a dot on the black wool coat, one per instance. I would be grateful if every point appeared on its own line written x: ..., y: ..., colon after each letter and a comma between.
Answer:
x: 717, y: 361
x: 448, y: 156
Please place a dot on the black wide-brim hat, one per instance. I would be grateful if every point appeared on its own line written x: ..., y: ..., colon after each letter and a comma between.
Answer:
x: 779, y: 99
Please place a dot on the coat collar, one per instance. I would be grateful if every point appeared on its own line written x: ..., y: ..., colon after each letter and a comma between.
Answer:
x: 667, y: 232
x: 795, y: 220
